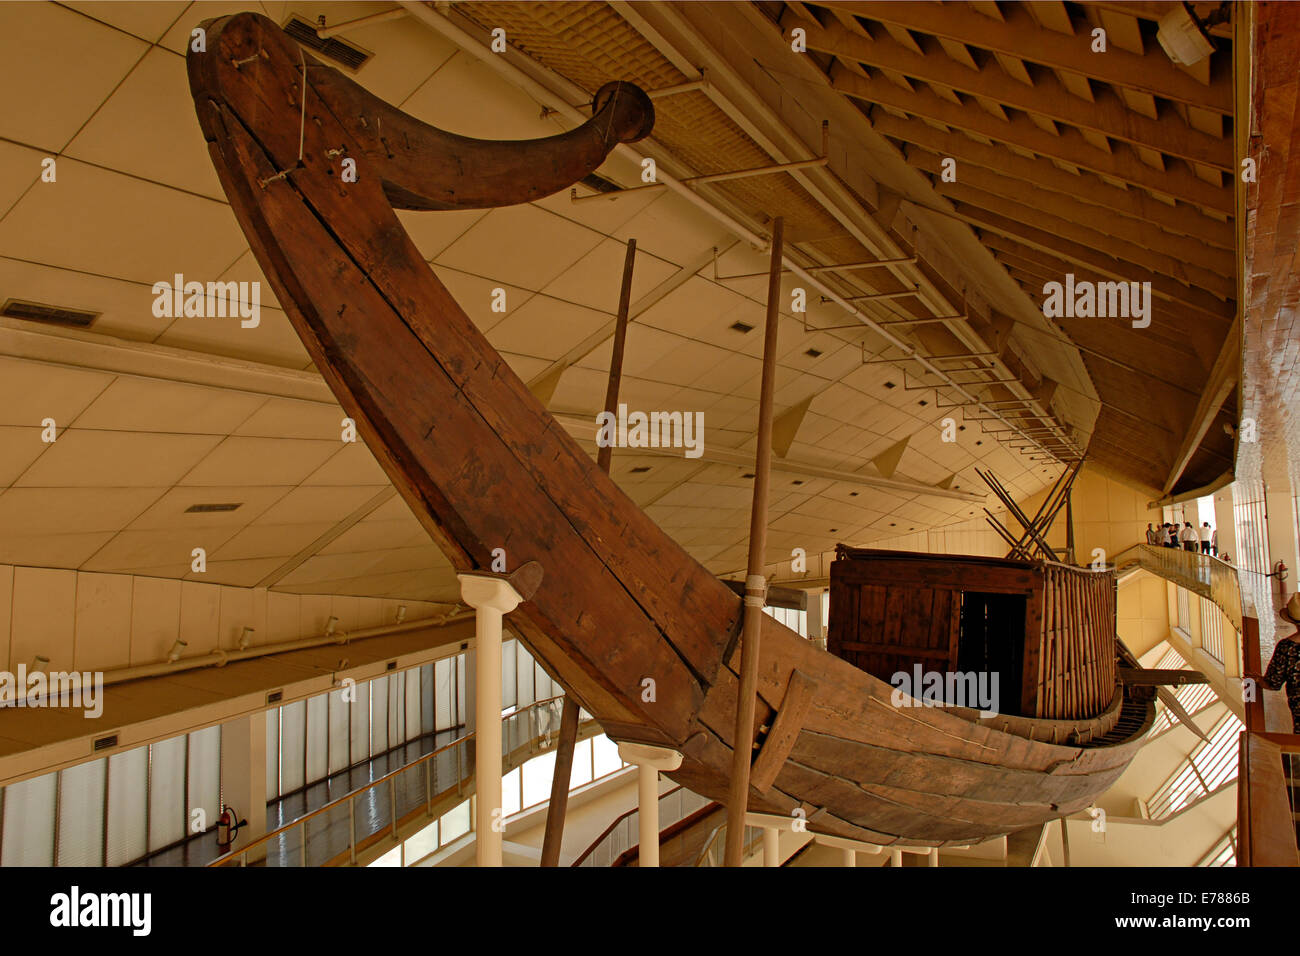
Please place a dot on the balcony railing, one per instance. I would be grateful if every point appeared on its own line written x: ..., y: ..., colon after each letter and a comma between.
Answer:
x: 1200, y: 573
x: 1266, y: 800
x: 623, y: 834
x: 336, y: 833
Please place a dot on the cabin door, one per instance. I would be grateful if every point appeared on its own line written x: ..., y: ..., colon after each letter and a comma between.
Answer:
x: 992, y: 641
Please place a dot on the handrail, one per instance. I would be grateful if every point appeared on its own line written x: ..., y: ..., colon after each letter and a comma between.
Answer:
x: 1266, y: 830
x: 242, y: 852
x: 610, y: 829
x: 1203, y: 574
x: 718, y: 832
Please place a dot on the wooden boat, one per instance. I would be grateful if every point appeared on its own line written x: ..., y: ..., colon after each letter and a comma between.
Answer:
x: 639, y: 632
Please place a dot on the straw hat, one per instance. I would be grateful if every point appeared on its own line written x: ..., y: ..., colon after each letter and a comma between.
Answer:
x: 1292, y: 610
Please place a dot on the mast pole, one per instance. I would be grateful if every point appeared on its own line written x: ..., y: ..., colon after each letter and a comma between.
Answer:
x: 559, y: 804
x: 755, y: 586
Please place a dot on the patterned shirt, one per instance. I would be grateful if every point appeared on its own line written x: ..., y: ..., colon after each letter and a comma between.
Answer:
x: 1284, y: 668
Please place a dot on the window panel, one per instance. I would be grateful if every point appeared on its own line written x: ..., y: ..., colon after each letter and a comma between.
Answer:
x: 378, y: 715
x: 444, y: 694
x: 510, y: 793
x: 537, y: 774
x: 293, y: 744
x: 318, y: 731
x: 461, y: 700
x: 128, y: 776
x: 360, y: 713
x: 204, y: 768
x: 428, y: 715
x: 81, y: 815
x: 339, y: 757
x: 509, y: 692
x: 272, y: 753
x: 581, y: 764
x: 605, y: 755
x: 28, y: 838
x: 525, y: 675
x: 166, y: 792
x: 455, y: 823
x: 396, y: 708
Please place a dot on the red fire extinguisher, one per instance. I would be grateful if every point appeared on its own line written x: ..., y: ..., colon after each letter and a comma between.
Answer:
x: 228, y: 825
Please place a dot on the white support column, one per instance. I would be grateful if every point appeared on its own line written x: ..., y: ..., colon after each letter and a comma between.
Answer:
x: 933, y: 856
x: 895, y: 858
x: 771, y: 846
x: 649, y: 761
x: 850, y: 857
x: 491, y: 597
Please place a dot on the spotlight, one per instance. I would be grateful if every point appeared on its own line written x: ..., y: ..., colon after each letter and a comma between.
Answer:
x: 1183, y: 37
x: 331, y: 626
x: 177, y: 649
x: 38, y: 663
x: 245, y: 638
x: 401, y: 613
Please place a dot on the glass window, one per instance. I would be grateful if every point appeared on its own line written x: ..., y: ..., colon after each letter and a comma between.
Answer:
x: 318, y: 737
x: 360, y: 714
x: 412, y: 705
x: 444, y: 697
x: 428, y: 713
x: 605, y: 755
x: 128, y: 775
x: 272, y: 753
x: 293, y: 746
x: 581, y: 764
x: 339, y: 756
x: 455, y: 823
x: 422, y: 843
x: 526, y: 675
x: 166, y: 792
x: 204, y: 785
x: 538, y: 774
x: 28, y: 838
x: 510, y: 793
x: 81, y: 815
x: 509, y: 692
x: 378, y: 715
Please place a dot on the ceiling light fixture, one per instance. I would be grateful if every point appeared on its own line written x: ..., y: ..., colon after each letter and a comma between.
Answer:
x: 401, y: 613
x: 1185, y: 37
x: 177, y: 650
x: 245, y: 637
x: 331, y: 626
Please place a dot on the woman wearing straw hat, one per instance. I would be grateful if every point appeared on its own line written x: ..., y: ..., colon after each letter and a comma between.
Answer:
x: 1284, y: 668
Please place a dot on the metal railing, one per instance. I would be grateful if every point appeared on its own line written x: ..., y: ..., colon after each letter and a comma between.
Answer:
x: 425, y: 788
x: 1202, y: 574
x: 715, y: 846
x: 623, y: 834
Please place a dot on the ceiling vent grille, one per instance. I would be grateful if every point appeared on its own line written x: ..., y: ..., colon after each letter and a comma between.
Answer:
x: 206, y: 509
x: 50, y: 314
x: 344, y: 54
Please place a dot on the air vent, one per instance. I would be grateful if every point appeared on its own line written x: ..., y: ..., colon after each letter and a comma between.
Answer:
x: 748, y: 474
x: 275, y: 697
x: 392, y: 666
x: 640, y: 469
x: 813, y: 353
x: 104, y: 743
x: 741, y: 327
x: 207, y: 509
x: 345, y: 54
x: 890, y: 385
x: 50, y: 314
x: 923, y: 402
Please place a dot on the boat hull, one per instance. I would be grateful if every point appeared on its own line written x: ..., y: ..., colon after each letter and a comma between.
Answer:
x: 637, y: 630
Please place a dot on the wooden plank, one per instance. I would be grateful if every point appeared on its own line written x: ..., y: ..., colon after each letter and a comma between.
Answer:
x: 785, y: 729
x: 896, y: 650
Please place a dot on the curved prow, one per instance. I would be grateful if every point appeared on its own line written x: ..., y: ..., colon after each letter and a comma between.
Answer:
x: 420, y: 166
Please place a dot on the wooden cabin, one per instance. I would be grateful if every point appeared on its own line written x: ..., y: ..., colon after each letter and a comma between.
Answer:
x: 1047, y: 630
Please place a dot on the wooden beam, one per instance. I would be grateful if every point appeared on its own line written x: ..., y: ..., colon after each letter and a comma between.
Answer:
x: 799, y: 695
x: 1048, y: 97
x: 1153, y: 247
x: 1204, y: 274
x: 1063, y: 206
x: 1019, y: 36
x: 1044, y: 174
x: 1223, y: 379
x: 1073, y: 252
x: 1069, y: 146
x: 1205, y: 307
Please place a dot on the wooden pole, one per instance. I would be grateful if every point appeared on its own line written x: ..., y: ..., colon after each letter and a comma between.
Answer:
x: 755, y: 587
x: 559, y: 804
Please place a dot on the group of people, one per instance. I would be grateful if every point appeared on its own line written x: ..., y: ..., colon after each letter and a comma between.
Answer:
x: 1189, y: 538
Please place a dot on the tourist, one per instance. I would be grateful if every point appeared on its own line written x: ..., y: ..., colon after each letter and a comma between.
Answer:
x: 1284, y: 668
x: 1171, y: 535
x: 1154, y: 537
x: 1214, y: 542
x: 1189, y: 537
x: 1205, y: 537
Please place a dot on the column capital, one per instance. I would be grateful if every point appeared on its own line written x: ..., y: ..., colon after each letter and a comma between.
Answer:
x: 488, y: 590
x: 645, y: 755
